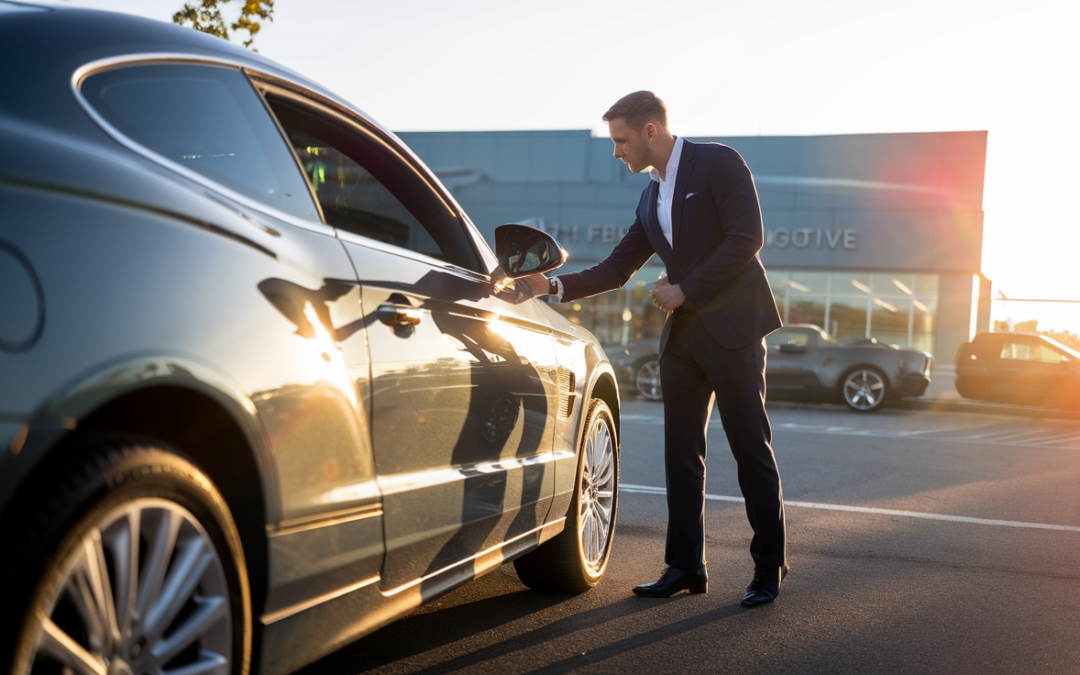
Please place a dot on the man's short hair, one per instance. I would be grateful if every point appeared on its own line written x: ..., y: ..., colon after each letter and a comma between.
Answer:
x: 638, y: 109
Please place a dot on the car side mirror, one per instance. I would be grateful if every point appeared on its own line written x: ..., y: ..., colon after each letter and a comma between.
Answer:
x: 792, y: 349
x: 523, y: 250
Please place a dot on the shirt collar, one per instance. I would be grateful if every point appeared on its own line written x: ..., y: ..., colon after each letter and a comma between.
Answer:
x: 672, y: 164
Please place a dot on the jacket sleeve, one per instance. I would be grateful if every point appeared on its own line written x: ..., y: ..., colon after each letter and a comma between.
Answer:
x: 731, y: 187
x: 629, y: 255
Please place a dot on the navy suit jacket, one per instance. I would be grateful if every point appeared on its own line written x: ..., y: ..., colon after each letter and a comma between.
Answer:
x: 716, y: 234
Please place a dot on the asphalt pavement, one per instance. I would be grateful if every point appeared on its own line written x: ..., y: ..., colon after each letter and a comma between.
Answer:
x: 921, y: 541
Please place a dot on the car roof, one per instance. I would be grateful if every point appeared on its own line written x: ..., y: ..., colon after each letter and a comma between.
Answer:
x: 45, y: 49
x: 1002, y: 336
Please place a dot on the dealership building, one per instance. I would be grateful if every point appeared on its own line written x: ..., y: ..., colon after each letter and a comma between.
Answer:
x: 868, y: 236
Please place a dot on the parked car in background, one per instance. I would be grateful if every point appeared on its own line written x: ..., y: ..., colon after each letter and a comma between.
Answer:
x: 637, y: 367
x: 263, y: 385
x: 805, y: 363
x: 1019, y: 368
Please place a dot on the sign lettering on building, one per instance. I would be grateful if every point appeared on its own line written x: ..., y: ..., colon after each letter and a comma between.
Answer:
x: 809, y: 237
x: 781, y: 237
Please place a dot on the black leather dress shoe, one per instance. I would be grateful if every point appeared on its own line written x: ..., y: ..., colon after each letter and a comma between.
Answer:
x: 765, y: 586
x: 674, y: 580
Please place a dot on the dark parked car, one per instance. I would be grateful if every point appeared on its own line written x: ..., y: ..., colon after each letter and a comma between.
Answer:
x: 1019, y: 368
x: 805, y: 363
x: 637, y: 366
x: 263, y: 385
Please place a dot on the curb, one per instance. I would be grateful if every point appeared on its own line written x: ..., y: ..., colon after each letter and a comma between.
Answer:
x: 984, y: 407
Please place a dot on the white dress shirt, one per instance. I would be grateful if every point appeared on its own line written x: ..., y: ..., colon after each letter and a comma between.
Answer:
x: 667, y: 189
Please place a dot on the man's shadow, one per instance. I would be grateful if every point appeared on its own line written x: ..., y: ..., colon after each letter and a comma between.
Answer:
x: 506, y: 388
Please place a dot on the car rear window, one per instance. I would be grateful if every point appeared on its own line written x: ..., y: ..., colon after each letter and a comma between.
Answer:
x: 208, y: 119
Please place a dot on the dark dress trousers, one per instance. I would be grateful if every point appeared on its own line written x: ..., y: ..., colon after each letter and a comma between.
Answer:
x: 711, y: 348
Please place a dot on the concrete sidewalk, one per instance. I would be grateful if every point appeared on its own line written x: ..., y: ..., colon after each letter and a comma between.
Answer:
x: 942, y: 395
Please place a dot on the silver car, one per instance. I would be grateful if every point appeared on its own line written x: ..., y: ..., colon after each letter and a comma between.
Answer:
x: 263, y: 385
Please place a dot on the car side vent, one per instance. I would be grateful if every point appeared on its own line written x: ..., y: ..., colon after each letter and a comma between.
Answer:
x: 566, y: 392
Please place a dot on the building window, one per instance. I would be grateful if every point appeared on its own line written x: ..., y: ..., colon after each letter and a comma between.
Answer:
x: 894, y: 308
x: 619, y: 317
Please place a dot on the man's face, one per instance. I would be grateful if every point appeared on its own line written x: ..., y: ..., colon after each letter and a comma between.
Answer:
x: 631, y: 145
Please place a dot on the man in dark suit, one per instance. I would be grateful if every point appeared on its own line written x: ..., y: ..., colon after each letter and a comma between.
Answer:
x: 700, y: 214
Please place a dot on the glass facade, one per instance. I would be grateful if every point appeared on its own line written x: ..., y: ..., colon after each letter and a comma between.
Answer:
x: 895, y: 308
x: 619, y: 317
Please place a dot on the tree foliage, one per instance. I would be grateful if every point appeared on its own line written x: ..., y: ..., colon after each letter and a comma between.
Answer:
x: 205, y: 16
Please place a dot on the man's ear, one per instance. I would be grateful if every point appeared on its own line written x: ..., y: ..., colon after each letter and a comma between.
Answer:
x: 649, y: 131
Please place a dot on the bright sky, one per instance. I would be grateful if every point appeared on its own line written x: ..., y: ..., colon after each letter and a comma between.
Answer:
x: 770, y: 67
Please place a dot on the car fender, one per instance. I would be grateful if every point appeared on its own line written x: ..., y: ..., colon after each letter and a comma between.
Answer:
x: 66, y: 409
x: 842, y: 360
x: 595, y: 378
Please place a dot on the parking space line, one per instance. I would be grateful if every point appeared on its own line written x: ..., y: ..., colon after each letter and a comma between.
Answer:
x: 1043, y: 438
x: 1071, y: 437
x: 646, y: 489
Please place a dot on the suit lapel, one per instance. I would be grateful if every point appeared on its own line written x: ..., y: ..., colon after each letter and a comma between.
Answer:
x: 686, y: 167
x: 652, y: 223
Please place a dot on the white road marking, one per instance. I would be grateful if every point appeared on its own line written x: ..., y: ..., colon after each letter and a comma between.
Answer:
x: 1048, y: 437
x: 646, y: 489
x: 1073, y: 438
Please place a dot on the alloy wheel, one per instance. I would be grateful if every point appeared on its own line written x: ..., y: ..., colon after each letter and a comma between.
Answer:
x: 142, y: 590
x: 648, y: 380
x: 864, y: 389
x: 597, y: 498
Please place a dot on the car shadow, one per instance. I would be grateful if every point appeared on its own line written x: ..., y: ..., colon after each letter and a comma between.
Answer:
x: 453, y: 618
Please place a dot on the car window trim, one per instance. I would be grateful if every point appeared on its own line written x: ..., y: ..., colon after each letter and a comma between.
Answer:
x: 302, y: 94
x: 321, y: 105
x: 115, y: 62
x: 367, y: 242
x: 256, y: 78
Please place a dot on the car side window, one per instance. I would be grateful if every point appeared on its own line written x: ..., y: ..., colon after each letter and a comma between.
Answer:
x: 365, y: 187
x: 1026, y: 351
x: 208, y: 119
x: 775, y: 339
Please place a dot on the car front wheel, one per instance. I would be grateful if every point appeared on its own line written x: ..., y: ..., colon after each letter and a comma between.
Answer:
x: 864, y: 389
x: 131, y: 564
x: 574, y: 560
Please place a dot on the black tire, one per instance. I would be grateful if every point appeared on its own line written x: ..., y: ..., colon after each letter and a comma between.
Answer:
x: 574, y: 560
x: 647, y: 379
x: 864, y: 389
x: 178, y: 597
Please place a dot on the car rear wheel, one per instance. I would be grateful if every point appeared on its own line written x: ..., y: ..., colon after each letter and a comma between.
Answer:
x: 864, y: 389
x: 574, y: 560
x: 130, y: 563
x: 647, y: 380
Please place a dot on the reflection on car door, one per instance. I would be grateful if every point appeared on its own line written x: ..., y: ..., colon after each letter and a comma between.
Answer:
x: 463, y: 407
x: 463, y: 392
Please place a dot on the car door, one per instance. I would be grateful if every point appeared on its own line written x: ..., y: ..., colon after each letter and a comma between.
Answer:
x: 784, y: 362
x: 464, y: 382
x: 1027, y: 371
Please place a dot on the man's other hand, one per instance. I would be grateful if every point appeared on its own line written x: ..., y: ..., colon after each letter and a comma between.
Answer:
x: 666, y: 295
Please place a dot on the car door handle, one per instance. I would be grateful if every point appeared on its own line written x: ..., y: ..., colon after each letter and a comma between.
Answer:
x: 396, y: 315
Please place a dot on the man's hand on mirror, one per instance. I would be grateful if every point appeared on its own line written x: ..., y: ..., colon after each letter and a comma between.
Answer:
x: 534, y: 284
x: 666, y: 295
